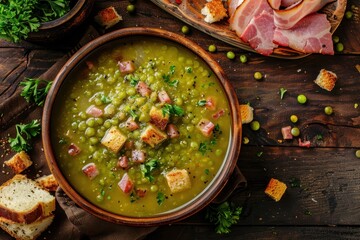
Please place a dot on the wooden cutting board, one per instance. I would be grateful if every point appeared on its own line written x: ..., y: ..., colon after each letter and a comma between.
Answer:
x: 189, y: 11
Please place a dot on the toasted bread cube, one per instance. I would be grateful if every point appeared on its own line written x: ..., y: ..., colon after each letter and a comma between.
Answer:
x: 158, y: 118
x: 108, y: 17
x: 326, y: 80
x: 48, y: 183
x: 113, y: 139
x: 214, y: 11
x: 275, y: 189
x: 247, y: 113
x: 178, y: 180
x: 152, y: 135
x: 19, y: 162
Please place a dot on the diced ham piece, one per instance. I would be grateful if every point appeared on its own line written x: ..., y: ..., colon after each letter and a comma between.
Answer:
x: 286, y: 19
x: 286, y: 132
x: 143, y: 89
x: 125, y: 184
x: 123, y: 162
x: 90, y: 65
x: 138, y: 156
x: 218, y: 114
x: 304, y: 144
x: 259, y: 33
x: 94, y: 111
x: 141, y: 192
x: 232, y: 5
x: 172, y: 131
x: 126, y: 67
x: 310, y: 35
x: 73, y: 150
x: 131, y: 125
x: 129, y: 145
x: 90, y: 170
x: 210, y: 103
x: 164, y: 97
x: 247, y: 11
x: 206, y: 127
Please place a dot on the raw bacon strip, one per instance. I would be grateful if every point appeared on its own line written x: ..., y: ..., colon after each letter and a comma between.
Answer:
x: 289, y: 3
x: 233, y: 4
x: 260, y: 32
x: 310, y: 35
x: 274, y: 4
x: 286, y: 19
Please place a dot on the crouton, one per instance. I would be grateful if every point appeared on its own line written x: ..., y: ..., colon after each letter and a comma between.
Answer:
x: 113, y: 139
x: 48, y: 183
x: 214, y: 11
x: 19, y: 162
x: 326, y: 80
x: 158, y: 118
x: 247, y: 113
x: 108, y: 17
x: 275, y: 189
x: 178, y: 180
x: 152, y: 135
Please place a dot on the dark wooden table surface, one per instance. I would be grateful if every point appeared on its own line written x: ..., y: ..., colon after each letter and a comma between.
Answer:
x: 326, y: 205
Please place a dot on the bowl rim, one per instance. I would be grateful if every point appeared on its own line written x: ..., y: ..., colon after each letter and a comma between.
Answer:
x: 218, y: 182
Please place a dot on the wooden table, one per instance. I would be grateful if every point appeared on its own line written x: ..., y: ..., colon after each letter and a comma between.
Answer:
x: 326, y: 205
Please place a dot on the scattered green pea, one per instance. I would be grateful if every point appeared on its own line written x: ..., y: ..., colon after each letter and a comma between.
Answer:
x: 258, y: 75
x: 295, y: 131
x: 349, y: 14
x: 130, y: 8
x: 301, y: 99
x: 255, y: 125
x: 339, y: 47
x: 335, y: 39
x: 185, y: 29
x: 356, y: 105
x: 243, y: 58
x: 212, y: 48
x: 328, y: 110
x: 357, y: 153
x: 293, y: 118
x: 230, y: 55
x: 246, y: 140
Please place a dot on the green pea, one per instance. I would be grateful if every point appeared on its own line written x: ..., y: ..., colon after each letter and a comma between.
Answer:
x: 230, y: 55
x: 357, y: 153
x: 99, y: 121
x: 74, y: 125
x: 99, y: 198
x: 154, y: 188
x: 212, y: 48
x: 130, y: 8
x: 107, y: 124
x: 82, y: 115
x: 131, y: 91
x: 295, y: 131
x: 339, y: 47
x: 203, y: 178
x: 255, y: 125
x: 194, y: 145
x: 178, y: 101
x: 348, y: 14
x: 82, y: 126
x: 98, y: 102
x: 82, y: 139
x: 328, y: 110
x: 293, y: 118
x: 89, y: 132
x: 246, y: 140
x: 94, y: 140
x: 90, y: 122
x: 218, y: 152
x: 335, y: 39
x: 258, y: 75
x: 185, y: 29
x: 301, y: 99
x: 122, y: 95
x: 243, y: 58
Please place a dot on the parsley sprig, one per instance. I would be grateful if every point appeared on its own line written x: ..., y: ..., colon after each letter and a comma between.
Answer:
x: 223, y: 216
x: 35, y: 90
x: 24, y: 132
x: 169, y: 109
x: 166, y: 77
x: 148, y: 167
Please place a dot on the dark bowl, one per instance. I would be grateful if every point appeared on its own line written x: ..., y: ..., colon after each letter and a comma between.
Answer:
x: 62, y: 27
x: 222, y: 176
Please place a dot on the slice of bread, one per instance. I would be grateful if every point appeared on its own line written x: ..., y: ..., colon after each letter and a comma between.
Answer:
x: 108, y: 17
x: 19, y: 162
x: 214, y: 11
x: 247, y: 113
x: 178, y: 180
x: 23, y: 201
x: 48, y: 183
x: 326, y: 80
x: 22, y: 231
x: 275, y: 189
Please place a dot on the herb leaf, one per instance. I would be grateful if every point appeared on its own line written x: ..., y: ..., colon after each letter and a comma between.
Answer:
x: 105, y: 99
x: 201, y: 102
x: 33, y: 92
x: 166, y: 77
x: 133, y: 114
x: 148, y: 167
x: 223, y: 216
x: 169, y: 109
x: 160, y: 198
x: 282, y: 92
x: 24, y: 132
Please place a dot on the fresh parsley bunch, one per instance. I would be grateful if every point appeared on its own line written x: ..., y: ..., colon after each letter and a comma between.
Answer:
x: 35, y: 90
x: 24, y: 132
x: 20, y: 17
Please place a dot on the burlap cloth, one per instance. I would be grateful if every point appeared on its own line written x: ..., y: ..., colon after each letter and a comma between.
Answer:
x: 71, y: 222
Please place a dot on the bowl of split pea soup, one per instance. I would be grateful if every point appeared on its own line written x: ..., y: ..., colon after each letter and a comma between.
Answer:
x: 141, y: 127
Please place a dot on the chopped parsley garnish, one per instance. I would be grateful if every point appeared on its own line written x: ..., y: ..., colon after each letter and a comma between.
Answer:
x: 259, y: 154
x: 201, y: 102
x: 62, y: 141
x: 133, y: 197
x: 166, y: 77
x: 174, y: 83
x: 282, y: 92
x: 24, y: 132
x: 148, y: 167
x: 188, y: 69
x: 169, y: 109
x: 206, y: 171
x: 133, y: 114
x: 319, y: 137
x: 172, y: 70
x: 160, y: 198
x: 134, y: 81
x: 105, y: 99
x: 203, y: 147
x: 33, y: 92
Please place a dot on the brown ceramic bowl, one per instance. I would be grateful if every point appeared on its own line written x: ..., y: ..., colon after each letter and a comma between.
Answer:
x: 60, y: 28
x: 189, y: 208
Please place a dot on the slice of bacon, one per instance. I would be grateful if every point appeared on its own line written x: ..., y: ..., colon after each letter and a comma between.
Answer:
x: 90, y: 170
x: 138, y: 156
x: 73, y: 150
x: 164, y: 97
x: 233, y: 4
x: 125, y: 184
x: 206, y: 127
x: 304, y: 144
x: 126, y: 67
x: 210, y: 103
x: 131, y: 125
x: 94, y: 111
x: 143, y: 89
x: 218, y: 114
x: 286, y: 132
x: 123, y: 162
x: 172, y: 131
